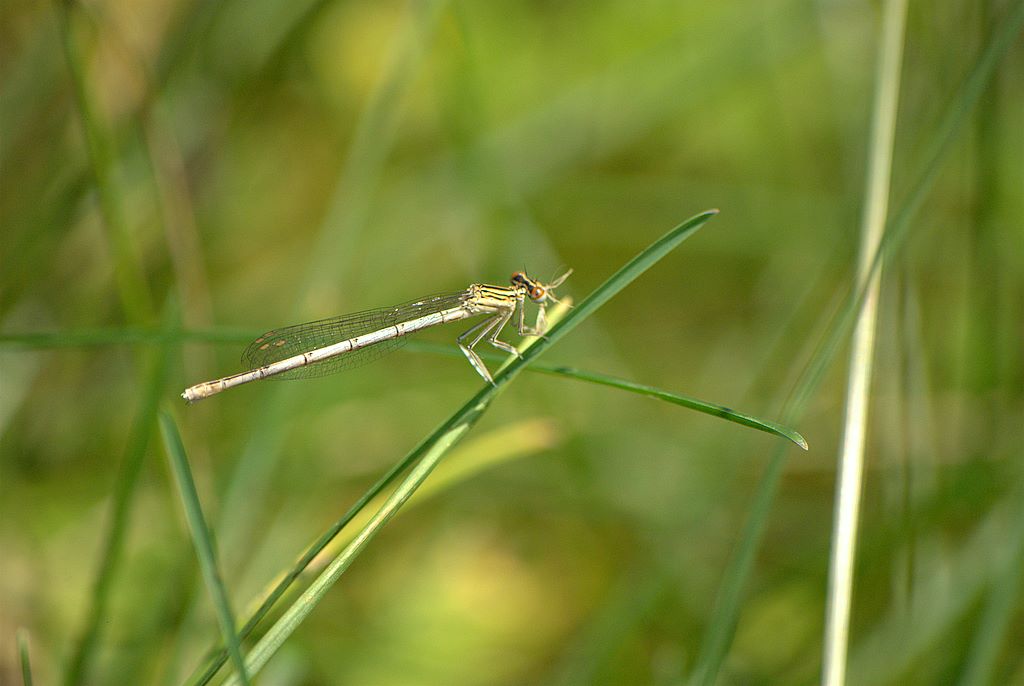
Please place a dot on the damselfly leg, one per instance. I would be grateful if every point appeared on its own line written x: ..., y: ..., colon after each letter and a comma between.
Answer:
x: 540, y: 325
x: 502, y: 345
x: 490, y: 329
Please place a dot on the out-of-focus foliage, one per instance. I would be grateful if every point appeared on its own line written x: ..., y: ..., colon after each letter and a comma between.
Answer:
x: 265, y: 162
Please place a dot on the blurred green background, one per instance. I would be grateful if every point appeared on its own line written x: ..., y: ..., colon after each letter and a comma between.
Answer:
x: 260, y: 163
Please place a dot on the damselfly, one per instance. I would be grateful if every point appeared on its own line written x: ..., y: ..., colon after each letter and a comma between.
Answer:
x: 329, y: 345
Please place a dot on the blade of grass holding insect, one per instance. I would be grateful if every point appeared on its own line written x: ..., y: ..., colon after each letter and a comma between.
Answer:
x: 639, y: 264
x: 851, y: 458
x: 201, y: 538
x: 131, y: 283
x: 713, y: 409
x: 728, y: 601
x: 23, y: 657
x: 433, y: 448
x: 123, y: 497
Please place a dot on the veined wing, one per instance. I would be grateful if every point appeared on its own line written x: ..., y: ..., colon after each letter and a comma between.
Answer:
x: 289, y: 341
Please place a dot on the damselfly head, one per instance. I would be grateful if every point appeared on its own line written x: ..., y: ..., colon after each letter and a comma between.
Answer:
x: 534, y: 288
x: 537, y: 291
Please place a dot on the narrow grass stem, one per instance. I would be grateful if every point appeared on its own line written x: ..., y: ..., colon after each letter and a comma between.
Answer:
x: 201, y: 537
x: 851, y: 458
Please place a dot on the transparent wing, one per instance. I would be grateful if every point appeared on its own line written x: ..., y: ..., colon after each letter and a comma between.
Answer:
x: 281, y: 344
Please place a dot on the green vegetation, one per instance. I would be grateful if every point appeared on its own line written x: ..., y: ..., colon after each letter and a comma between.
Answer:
x: 179, y: 177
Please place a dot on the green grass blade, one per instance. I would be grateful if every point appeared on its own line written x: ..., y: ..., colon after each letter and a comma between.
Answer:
x: 704, y: 406
x: 124, y: 492
x: 712, y: 409
x: 455, y: 427
x: 23, y: 658
x: 729, y: 599
x: 201, y: 539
